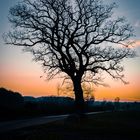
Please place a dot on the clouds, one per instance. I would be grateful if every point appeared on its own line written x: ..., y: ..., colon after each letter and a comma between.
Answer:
x: 136, y: 43
x: 137, y: 24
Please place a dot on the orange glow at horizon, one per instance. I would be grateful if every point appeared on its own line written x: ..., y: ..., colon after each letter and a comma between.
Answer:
x: 33, y: 85
x: 23, y: 75
x: 18, y: 73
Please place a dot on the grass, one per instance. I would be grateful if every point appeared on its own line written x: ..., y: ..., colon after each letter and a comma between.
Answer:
x: 105, y: 126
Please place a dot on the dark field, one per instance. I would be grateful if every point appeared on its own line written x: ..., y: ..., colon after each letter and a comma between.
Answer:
x: 104, y: 126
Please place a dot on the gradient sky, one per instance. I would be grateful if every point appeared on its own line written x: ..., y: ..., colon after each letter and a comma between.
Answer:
x: 19, y: 73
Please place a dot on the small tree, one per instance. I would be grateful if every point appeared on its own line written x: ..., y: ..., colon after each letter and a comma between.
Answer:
x: 58, y: 89
x: 67, y: 89
x: 73, y: 37
x: 117, y: 102
x: 88, y: 92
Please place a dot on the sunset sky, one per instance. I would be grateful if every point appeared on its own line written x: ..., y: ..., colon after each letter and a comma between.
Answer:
x: 19, y: 73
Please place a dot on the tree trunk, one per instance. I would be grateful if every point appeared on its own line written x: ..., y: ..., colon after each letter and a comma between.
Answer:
x: 79, y: 99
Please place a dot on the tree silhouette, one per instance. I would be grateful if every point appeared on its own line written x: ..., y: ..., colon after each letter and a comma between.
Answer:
x: 78, y: 38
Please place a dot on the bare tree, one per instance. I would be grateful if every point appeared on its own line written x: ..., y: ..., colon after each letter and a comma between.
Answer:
x: 58, y: 89
x: 79, y: 38
x: 88, y: 91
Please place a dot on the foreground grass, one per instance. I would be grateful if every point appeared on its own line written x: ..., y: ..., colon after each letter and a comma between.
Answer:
x: 105, y: 126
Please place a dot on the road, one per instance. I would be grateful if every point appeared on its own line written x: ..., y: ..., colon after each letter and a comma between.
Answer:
x: 17, y: 124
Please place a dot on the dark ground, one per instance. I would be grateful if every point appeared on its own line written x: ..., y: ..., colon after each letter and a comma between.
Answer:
x: 104, y: 126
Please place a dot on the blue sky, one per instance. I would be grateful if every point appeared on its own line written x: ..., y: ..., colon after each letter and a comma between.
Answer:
x: 13, y: 61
